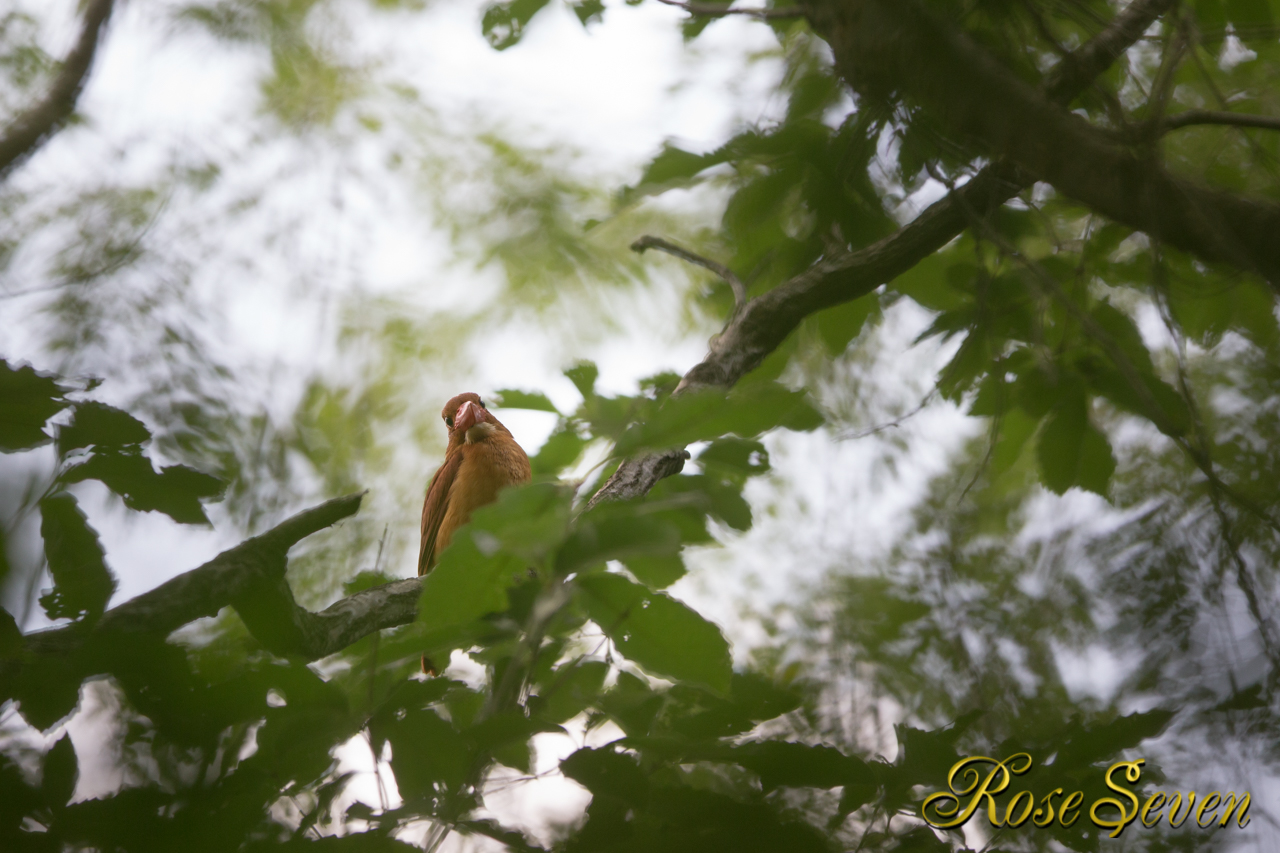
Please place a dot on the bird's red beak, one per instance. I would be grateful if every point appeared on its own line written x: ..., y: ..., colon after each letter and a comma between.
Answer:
x: 469, y: 414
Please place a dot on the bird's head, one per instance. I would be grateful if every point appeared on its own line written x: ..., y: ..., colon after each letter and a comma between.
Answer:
x: 468, y: 420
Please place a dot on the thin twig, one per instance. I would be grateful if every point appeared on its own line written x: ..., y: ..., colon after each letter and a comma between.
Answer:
x: 993, y: 436
x: 896, y: 422
x: 1188, y: 118
x: 1217, y: 489
x: 714, y: 10
x: 650, y: 242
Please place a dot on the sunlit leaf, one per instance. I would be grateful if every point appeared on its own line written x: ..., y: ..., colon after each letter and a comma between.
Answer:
x: 509, y: 398
x: 583, y: 375
x: 656, y: 571
x: 703, y: 415
x: 561, y: 449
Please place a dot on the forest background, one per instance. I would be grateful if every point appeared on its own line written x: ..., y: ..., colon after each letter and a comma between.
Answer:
x: 980, y: 459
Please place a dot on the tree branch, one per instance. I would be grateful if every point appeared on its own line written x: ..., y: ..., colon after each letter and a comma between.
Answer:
x: 30, y: 129
x: 1193, y: 117
x: 883, y: 46
x: 250, y: 571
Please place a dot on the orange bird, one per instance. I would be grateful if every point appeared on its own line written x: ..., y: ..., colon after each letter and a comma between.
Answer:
x: 481, y: 460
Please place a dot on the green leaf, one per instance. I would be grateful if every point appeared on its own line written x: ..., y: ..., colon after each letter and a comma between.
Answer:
x: 175, y: 490
x: 608, y: 772
x: 841, y: 324
x: 60, y: 773
x: 672, y: 167
x: 734, y: 459
x: 427, y: 752
x: 631, y: 704
x: 1070, y: 450
x: 1097, y: 463
x: 1251, y: 19
x: 506, y: 727
x: 656, y: 631
x: 571, y: 689
x: 614, y: 532
x: 467, y: 583
x: 1211, y: 20
x: 656, y: 571
x: 407, y: 696
x: 97, y: 424
x: 496, y: 550
x: 1073, y: 452
x: 721, y: 500
x: 10, y: 637
x: 30, y: 399
x: 509, y: 398
x: 504, y: 24
x: 702, y: 415
x: 583, y: 375
x: 561, y: 449
x: 588, y: 11
x: 1059, y: 447
x: 82, y: 583
x: 760, y: 698
x: 779, y: 764
x: 1016, y: 426
x: 1091, y: 744
x: 933, y: 283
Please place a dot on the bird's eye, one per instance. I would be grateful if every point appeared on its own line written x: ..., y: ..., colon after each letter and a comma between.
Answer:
x: 448, y: 421
x: 482, y: 405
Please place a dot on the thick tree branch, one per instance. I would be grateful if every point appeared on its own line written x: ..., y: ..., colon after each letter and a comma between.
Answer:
x: 245, y: 574
x: 30, y: 129
x: 883, y: 46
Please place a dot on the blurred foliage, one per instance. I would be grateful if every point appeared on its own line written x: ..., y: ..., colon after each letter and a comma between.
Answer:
x: 1116, y: 515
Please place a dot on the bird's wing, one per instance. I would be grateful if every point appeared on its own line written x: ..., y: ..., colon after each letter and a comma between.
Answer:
x: 434, y: 508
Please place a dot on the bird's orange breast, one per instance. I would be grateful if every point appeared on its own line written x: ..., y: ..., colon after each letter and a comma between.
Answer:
x: 485, y: 468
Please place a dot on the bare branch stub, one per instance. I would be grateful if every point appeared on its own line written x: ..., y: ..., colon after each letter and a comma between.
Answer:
x: 26, y: 132
x: 739, y: 289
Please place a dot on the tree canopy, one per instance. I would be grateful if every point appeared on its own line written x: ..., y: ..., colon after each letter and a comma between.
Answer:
x: 1021, y: 255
